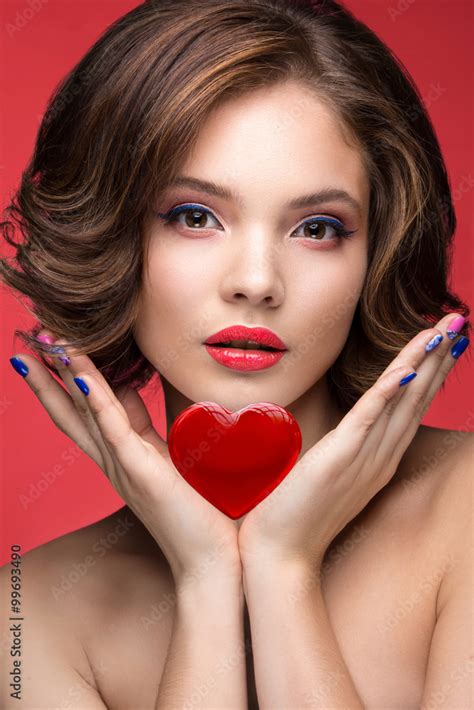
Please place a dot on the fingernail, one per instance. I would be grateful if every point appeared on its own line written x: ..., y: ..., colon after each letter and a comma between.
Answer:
x: 45, y: 338
x: 407, y: 378
x: 455, y: 326
x: 434, y: 342
x: 459, y: 347
x: 19, y: 366
x: 48, y: 340
x: 82, y: 385
x: 59, y: 350
x: 56, y: 349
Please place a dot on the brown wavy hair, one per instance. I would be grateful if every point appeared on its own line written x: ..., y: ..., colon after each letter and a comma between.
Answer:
x: 120, y: 124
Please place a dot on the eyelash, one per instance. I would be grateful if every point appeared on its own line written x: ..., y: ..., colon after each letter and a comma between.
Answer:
x: 170, y: 217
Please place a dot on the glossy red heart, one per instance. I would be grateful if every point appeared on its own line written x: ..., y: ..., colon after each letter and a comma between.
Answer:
x: 234, y: 459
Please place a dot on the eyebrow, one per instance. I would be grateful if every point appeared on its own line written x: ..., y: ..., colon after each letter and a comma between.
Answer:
x: 327, y: 194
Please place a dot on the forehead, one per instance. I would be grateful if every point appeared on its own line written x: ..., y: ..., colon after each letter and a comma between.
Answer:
x: 282, y: 136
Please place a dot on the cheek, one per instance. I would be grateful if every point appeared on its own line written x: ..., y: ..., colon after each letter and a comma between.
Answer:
x: 328, y: 299
x: 172, y: 287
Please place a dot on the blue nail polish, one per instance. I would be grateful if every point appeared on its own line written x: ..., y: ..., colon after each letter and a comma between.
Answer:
x: 407, y: 378
x: 82, y: 385
x: 459, y: 347
x: 434, y: 342
x: 19, y: 366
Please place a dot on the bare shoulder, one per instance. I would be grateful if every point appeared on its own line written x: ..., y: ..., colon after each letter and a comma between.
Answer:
x: 436, y: 479
x: 440, y: 459
x: 95, y: 564
x: 69, y: 587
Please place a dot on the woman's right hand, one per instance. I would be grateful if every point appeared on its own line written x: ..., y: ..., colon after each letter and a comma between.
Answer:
x: 117, y: 433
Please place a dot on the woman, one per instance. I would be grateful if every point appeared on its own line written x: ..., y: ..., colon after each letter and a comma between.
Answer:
x: 251, y: 163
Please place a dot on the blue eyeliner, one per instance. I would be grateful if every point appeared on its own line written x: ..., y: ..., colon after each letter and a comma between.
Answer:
x: 181, y: 208
x: 336, y: 224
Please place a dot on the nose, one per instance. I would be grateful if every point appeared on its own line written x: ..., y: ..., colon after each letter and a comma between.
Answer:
x: 253, y: 272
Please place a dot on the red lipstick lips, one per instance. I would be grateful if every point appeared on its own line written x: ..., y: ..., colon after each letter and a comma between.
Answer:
x: 232, y: 347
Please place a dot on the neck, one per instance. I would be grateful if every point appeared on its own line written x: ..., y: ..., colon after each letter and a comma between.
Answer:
x: 315, y: 411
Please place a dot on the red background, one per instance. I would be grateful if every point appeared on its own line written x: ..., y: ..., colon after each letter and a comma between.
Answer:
x: 49, y: 486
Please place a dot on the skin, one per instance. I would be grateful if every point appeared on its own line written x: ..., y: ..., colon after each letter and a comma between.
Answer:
x: 249, y: 270
x: 247, y: 267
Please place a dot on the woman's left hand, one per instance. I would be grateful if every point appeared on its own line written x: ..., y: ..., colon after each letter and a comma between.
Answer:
x: 336, y: 478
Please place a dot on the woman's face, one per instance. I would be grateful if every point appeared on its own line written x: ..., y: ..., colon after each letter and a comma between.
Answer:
x: 249, y: 259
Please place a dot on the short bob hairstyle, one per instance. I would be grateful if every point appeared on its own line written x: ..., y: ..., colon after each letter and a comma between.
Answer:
x: 120, y: 124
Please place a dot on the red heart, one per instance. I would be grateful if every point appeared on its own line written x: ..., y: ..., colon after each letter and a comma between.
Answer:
x: 234, y: 459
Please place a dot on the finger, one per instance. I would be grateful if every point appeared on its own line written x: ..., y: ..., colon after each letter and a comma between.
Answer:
x: 137, y: 413
x: 415, y: 356
x: 413, y: 353
x: 135, y: 410
x: 412, y: 356
x: 374, y: 409
x: 409, y: 406
x: 82, y: 363
x: 140, y: 419
x: 455, y: 350
x: 410, y: 412
x: 59, y: 406
x: 139, y: 462
x: 433, y: 367
x: 58, y: 356
x: 424, y: 353
x: 402, y: 415
x: 356, y: 425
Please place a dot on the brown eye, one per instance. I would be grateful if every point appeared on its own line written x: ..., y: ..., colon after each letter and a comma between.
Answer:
x: 315, y: 230
x: 195, y: 217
